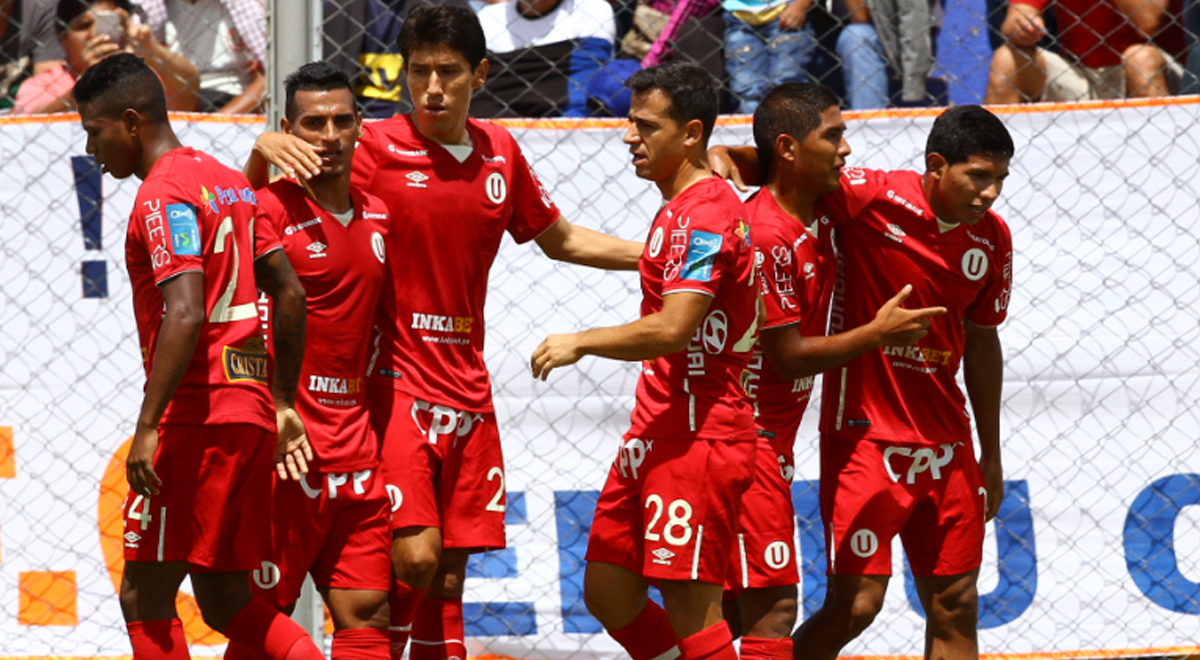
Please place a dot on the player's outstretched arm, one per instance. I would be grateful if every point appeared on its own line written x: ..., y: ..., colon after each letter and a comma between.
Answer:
x: 287, y: 152
x: 651, y: 336
x: 183, y: 320
x: 737, y: 164
x: 274, y: 275
x: 565, y: 241
x: 793, y: 356
x: 983, y: 374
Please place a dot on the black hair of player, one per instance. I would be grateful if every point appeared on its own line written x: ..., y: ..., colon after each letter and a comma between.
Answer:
x: 120, y: 82
x: 452, y: 26
x: 68, y: 11
x: 790, y: 108
x: 691, y: 90
x: 319, y: 76
x: 968, y: 130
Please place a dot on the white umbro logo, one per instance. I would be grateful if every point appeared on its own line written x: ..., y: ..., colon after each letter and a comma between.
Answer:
x: 663, y: 556
x: 317, y: 248
x: 417, y: 179
x: 131, y: 537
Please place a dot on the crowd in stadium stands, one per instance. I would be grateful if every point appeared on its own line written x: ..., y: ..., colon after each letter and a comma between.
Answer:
x: 570, y: 58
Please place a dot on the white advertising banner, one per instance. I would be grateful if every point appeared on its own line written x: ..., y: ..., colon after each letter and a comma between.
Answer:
x: 1096, y: 551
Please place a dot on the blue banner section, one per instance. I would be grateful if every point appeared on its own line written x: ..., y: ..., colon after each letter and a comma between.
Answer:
x: 573, y: 511
x: 1150, y: 551
x: 95, y: 279
x: 500, y: 618
x: 90, y: 198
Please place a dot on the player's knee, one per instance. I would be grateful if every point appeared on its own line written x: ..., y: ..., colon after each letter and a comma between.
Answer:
x: 954, y: 610
x: 851, y: 616
x: 416, y: 566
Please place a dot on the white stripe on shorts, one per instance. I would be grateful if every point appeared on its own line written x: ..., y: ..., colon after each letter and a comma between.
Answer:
x: 162, y: 530
x: 696, y: 554
x: 742, y: 554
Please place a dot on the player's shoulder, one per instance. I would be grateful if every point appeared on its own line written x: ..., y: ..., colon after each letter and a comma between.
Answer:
x: 994, y: 224
x: 768, y: 222
x: 372, y: 208
x: 713, y: 191
x: 866, y: 177
x: 279, y: 194
x: 492, y: 137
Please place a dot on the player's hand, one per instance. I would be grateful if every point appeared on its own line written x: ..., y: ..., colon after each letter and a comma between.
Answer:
x: 297, y: 158
x: 554, y: 351
x: 723, y: 166
x: 292, y: 451
x: 794, y: 14
x: 1023, y: 26
x: 139, y: 465
x: 993, y: 483
x: 898, y: 326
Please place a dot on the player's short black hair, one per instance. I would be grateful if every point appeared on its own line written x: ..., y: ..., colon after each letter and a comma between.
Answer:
x: 120, y: 82
x: 68, y: 10
x: 452, y: 26
x: 691, y: 90
x: 790, y: 108
x: 319, y: 76
x: 967, y: 130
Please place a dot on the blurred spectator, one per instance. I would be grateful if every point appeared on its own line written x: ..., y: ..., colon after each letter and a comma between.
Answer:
x: 28, y: 43
x: 764, y: 46
x: 226, y: 39
x: 360, y: 39
x: 883, y: 40
x: 85, y: 43
x: 658, y: 24
x: 1108, y: 49
x: 1191, y: 24
x: 542, y: 56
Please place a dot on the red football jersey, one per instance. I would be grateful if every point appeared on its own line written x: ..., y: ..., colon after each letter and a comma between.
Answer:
x: 796, y: 276
x: 342, y: 268
x: 193, y: 214
x: 887, y: 237
x: 449, y: 218
x: 700, y: 242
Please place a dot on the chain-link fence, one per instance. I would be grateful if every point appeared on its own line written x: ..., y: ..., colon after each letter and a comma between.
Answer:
x: 1094, y: 552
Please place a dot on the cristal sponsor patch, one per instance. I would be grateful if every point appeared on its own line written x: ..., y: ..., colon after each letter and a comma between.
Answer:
x: 247, y: 362
x: 702, y: 251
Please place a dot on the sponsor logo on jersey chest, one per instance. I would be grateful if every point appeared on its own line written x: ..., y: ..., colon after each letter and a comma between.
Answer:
x: 417, y: 179
x: 247, y: 362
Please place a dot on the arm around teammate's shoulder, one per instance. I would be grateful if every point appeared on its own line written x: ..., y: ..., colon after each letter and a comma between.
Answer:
x: 654, y: 335
x: 569, y: 242
x: 983, y: 374
x: 295, y: 157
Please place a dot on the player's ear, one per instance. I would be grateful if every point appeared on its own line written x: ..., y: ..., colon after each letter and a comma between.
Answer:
x: 132, y: 121
x: 786, y: 147
x: 936, y: 165
x: 285, y: 125
x: 693, y: 133
x: 357, y: 125
x: 480, y: 75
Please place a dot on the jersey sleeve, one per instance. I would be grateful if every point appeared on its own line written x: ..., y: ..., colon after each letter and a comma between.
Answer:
x: 857, y: 188
x: 777, y: 274
x: 711, y: 251
x: 533, y: 210
x: 167, y: 224
x: 991, y: 306
x: 267, y: 223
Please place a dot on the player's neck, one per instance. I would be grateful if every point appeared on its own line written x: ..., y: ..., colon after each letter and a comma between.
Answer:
x: 454, y: 136
x: 156, y: 142
x: 333, y: 193
x: 794, y: 200
x: 690, y: 172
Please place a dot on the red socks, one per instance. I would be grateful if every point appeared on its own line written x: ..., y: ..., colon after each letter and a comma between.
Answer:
x: 758, y: 648
x: 649, y: 636
x: 403, y: 601
x: 158, y: 640
x: 263, y: 629
x: 437, y: 630
x: 715, y: 643
x: 360, y: 644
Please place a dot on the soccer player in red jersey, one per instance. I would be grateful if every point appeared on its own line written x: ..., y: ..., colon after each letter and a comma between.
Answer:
x: 333, y: 523
x: 454, y: 186
x: 800, y: 137
x: 199, y: 466
x: 896, y: 443
x: 669, y: 510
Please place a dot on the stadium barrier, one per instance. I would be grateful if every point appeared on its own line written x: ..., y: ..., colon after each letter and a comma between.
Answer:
x: 1093, y: 554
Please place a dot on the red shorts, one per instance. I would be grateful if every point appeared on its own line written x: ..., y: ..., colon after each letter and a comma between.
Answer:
x: 213, y: 509
x: 765, y: 554
x: 932, y: 496
x: 442, y: 468
x: 669, y: 509
x: 333, y: 525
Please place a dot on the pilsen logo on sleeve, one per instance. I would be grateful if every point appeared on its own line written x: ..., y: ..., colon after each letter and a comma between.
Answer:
x: 246, y: 362
x: 184, y: 230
